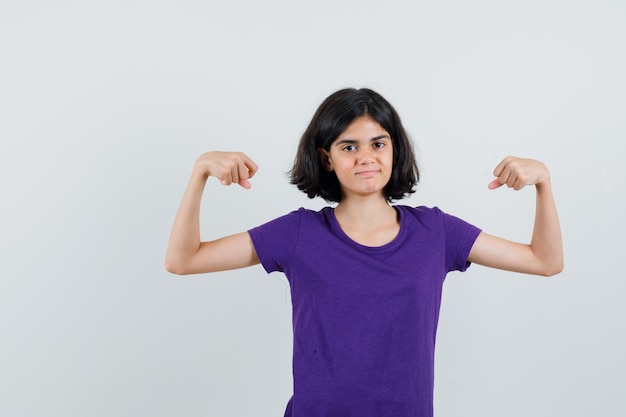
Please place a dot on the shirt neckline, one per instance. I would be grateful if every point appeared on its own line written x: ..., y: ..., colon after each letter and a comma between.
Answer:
x: 338, y: 231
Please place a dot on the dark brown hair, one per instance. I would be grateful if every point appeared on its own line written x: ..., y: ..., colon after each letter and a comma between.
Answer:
x: 330, y: 120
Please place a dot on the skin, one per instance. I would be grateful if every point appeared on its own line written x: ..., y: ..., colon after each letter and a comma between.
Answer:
x: 362, y: 158
x: 544, y: 254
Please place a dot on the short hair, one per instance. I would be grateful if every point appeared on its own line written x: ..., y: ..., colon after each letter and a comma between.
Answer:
x: 329, y: 121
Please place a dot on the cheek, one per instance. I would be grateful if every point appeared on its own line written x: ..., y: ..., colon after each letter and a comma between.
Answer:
x: 389, y: 158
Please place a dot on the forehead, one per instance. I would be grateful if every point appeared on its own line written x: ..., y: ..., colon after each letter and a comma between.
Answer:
x: 364, y: 128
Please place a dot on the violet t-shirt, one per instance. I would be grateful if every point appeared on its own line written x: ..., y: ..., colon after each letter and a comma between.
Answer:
x: 364, y: 318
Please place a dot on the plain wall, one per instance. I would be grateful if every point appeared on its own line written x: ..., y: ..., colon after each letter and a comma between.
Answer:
x: 105, y: 105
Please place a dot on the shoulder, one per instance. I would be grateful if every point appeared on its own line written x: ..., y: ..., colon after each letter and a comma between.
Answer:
x: 277, y: 240
x: 293, y: 220
x: 303, y: 213
x: 432, y: 217
x: 423, y: 214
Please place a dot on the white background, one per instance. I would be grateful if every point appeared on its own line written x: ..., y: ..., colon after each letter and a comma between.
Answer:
x: 105, y: 105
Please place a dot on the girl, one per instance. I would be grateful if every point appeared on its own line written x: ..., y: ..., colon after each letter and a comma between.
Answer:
x: 365, y: 276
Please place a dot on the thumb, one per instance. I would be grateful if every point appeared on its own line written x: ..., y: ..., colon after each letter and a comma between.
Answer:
x: 245, y: 184
x: 494, y: 184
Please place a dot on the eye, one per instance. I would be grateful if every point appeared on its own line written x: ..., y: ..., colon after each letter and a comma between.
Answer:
x: 348, y: 148
x: 379, y: 145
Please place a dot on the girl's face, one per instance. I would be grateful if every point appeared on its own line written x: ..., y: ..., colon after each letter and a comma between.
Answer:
x: 361, y: 157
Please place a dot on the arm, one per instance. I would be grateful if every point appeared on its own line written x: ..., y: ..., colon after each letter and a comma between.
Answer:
x: 186, y: 254
x: 544, y: 254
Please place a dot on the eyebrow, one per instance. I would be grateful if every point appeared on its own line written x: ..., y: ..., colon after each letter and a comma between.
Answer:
x: 352, y: 141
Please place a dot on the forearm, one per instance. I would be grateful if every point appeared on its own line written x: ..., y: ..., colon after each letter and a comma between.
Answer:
x: 546, y: 242
x: 185, y: 236
x: 544, y: 254
x: 185, y: 253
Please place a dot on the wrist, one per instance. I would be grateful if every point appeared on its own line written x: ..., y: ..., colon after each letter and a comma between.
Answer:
x: 200, y: 170
x: 543, y: 185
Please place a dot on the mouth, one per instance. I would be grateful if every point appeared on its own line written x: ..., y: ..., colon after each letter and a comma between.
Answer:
x: 367, y: 173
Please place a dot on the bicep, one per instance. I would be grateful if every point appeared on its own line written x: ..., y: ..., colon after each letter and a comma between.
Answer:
x: 496, y: 252
x: 229, y: 252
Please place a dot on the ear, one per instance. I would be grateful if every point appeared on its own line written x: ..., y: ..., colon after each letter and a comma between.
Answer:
x: 324, y: 156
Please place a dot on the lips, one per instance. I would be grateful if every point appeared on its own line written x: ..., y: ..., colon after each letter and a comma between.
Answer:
x: 367, y: 173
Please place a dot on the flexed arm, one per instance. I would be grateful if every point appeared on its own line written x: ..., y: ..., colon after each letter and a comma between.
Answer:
x: 186, y: 254
x: 544, y: 254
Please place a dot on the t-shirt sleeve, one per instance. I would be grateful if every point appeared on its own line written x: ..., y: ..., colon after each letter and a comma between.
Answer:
x: 275, y: 241
x: 459, y: 239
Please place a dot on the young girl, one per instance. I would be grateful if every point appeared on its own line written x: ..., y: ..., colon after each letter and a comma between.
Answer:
x: 365, y: 276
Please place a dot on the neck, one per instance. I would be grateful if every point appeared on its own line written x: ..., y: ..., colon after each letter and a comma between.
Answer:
x: 365, y: 210
x: 369, y: 221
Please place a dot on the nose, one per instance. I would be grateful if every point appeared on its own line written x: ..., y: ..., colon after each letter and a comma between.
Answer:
x: 365, y: 156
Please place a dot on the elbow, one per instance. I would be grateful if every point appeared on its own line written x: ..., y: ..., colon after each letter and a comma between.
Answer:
x: 553, y: 269
x: 175, y: 267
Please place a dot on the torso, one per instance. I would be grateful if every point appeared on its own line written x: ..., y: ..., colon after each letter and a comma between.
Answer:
x: 364, y: 318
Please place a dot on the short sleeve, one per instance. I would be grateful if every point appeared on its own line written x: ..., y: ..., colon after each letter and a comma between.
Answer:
x: 459, y: 239
x: 275, y: 241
